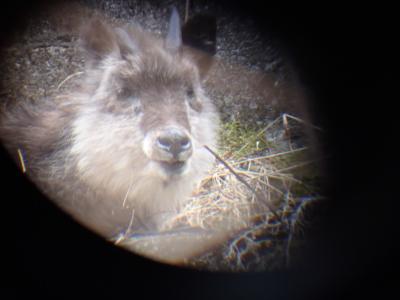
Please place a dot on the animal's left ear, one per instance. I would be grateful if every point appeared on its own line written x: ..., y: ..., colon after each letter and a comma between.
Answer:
x: 199, y: 41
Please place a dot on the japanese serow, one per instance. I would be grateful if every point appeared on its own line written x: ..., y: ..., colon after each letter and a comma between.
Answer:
x: 124, y: 148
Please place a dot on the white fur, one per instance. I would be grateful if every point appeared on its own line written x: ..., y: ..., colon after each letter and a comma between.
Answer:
x: 111, y: 153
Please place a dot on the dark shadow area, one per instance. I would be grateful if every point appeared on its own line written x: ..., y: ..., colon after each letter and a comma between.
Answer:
x: 344, y: 57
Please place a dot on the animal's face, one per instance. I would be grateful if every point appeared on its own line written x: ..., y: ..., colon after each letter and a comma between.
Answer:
x: 148, y: 113
x: 160, y: 94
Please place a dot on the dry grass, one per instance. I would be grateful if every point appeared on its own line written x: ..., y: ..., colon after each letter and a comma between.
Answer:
x: 266, y: 219
x: 259, y: 199
x: 223, y: 199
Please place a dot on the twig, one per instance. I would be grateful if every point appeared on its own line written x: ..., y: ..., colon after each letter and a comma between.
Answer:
x: 68, y: 78
x: 302, y: 164
x: 21, y: 160
x: 127, y: 193
x: 285, y: 115
x: 124, y: 235
x: 238, y: 177
x: 270, y: 156
x: 287, y: 131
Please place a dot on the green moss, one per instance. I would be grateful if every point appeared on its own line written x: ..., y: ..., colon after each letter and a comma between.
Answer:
x: 239, y: 140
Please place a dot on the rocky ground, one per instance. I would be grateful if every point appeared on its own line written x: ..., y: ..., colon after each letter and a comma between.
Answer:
x: 250, y: 80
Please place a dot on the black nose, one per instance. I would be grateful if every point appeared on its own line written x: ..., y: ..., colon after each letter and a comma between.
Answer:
x: 174, y: 141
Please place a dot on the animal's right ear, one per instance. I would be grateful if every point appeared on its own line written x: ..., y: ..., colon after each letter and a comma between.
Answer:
x: 173, y: 41
x: 99, y: 40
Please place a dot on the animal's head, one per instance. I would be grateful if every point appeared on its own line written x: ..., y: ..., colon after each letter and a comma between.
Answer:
x: 146, y: 112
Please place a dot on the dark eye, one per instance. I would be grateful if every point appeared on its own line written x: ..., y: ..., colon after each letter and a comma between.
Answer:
x: 137, y: 107
x: 190, y: 92
x: 124, y: 93
x: 193, y: 101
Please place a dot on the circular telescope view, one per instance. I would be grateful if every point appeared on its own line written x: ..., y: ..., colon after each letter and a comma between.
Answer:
x: 178, y: 130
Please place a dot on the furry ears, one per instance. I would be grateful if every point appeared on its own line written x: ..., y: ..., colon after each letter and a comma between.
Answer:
x: 196, y: 39
x: 99, y: 40
x: 173, y: 41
